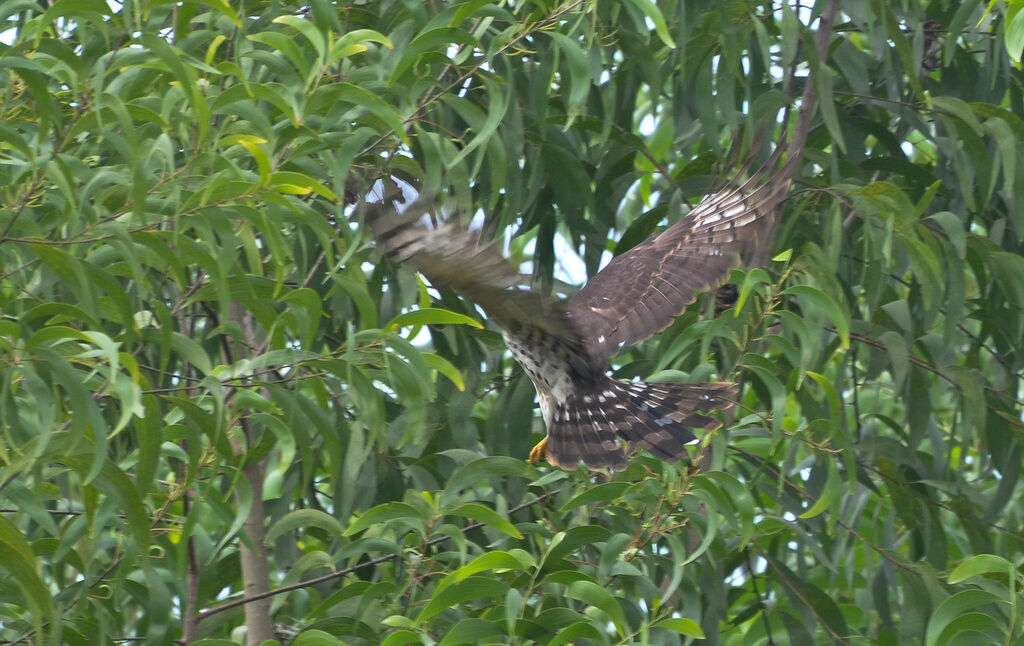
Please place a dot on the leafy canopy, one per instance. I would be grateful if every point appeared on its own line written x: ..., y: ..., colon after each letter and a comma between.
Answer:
x: 205, y: 366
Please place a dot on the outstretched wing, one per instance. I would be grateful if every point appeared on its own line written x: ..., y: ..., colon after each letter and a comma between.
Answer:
x: 451, y: 257
x: 643, y: 290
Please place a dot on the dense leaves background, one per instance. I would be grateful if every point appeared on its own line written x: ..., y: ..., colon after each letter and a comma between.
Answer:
x: 206, y: 369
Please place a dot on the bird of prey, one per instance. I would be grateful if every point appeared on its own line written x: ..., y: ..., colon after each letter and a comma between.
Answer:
x: 565, y: 345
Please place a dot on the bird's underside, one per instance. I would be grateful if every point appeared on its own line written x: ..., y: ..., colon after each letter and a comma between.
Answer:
x: 565, y: 345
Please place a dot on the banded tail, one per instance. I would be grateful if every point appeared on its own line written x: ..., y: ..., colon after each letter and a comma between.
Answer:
x: 657, y: 417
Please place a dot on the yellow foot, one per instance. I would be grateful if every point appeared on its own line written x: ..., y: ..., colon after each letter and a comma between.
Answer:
x: 539, y: 452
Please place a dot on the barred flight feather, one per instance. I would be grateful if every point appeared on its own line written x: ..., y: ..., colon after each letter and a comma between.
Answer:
x: 660, y: 418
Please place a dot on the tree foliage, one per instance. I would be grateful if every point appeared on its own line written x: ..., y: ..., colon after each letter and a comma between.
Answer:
x: 206, y: 368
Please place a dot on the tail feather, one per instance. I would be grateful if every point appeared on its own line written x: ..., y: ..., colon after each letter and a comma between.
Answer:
x: 579, y: 431
x: 654, y: 417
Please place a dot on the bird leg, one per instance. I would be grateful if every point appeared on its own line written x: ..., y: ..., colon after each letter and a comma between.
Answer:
x: 539, y: 452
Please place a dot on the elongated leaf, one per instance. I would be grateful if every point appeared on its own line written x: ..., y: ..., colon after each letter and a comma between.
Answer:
x: 497, y: 560
x: 487, y: 516
x: 650, y: 9
x: 1014, y: 35
x: 594, y: 595
x: 578, y: 70
x: 683, y: 626
x: 21, y: 563
x: 303, y: 518
x: 474, y: 588
x: 981, y: 564
x: 384, y: 514
x: 351, y: 43
x: 431, y: 316
x: 828, y: 306
x: 433, y: 40
x: 953, y: 608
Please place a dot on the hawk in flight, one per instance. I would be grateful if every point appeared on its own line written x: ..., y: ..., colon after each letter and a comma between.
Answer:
x: 565, y: 345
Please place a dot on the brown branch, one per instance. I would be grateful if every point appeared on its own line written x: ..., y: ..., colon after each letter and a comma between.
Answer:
x: 252, y: 555
x: 921, y: 363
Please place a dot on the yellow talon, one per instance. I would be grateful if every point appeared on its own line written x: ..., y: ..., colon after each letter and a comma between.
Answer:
x: 539, y: 452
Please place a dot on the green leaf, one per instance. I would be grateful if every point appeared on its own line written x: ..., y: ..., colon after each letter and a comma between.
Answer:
x: 821, y: 76
x: 789, y: 30
x: 368, y: 101
x: 753, y: 279
x: 899, y: 356
x: 298, y: 184
x: 384, y: 514
x: 513, y: 608
x: 497, y: 560
x: 784, y: 256
x: 1014, y: 36
x: 681, y: 625
x: 959, y: 109
x: 653, y: 13
x: 982, y: 564
x: 20, y: 562
x: 953, y: 227
x: 954, y: 607
x: 312, y: 637
x: 1007, y: 269
x: 487, y: 516
x: 402, y: 637
x: 594, y: 595
x: 471, y: 631
x: 303, y: 518
x: 484, y: 470
x: 398, y: 622
x: 431, y: 316
x: 433, y: 40
x: 972, y: 391
x: 446, y: 368
x: 352, y: 43
x: 831, y: 396
x: 474, y: 588
x: 183, y: 75
x: 360, y: 298
x: 498, y: 99
x: 578, y: 631
x: 806, y: 594
x: 564, y: 543
x: 821, y: 300
x: 742, y: 503
x: 1005, y: 138
x: 830, y: 495
x: 288, y: 48
x: 606, y: 492
x: 309, y: 30
x: 579, y: 70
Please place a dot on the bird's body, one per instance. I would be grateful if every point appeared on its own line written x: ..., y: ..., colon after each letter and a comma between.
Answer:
x: 564, y: 346
x: 551, y: 366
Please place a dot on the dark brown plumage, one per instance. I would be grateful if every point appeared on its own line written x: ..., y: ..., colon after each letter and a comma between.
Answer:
x: 565, y: 346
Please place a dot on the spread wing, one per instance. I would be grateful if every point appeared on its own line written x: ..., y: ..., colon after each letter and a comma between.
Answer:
x: 453, y: 258
x: 643, y: 290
